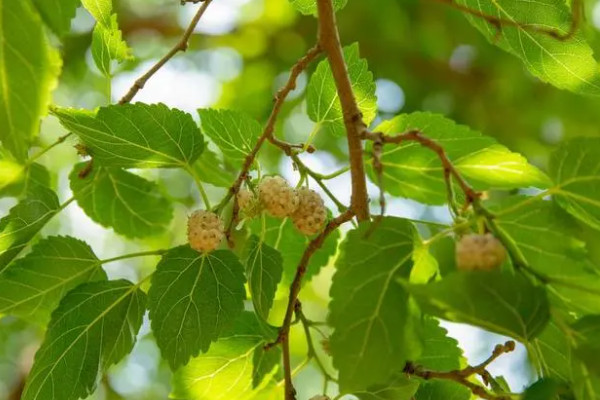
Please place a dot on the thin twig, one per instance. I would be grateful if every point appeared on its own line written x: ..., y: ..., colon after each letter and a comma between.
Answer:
x: 268, y: 135
x: 319, y: 178
x: 284, y: 331
x: 181, y: 45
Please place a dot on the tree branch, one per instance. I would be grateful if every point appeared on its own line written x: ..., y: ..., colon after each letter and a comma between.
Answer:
x: 330, y: 42
x: 268, y: 135
x: 181, y: 45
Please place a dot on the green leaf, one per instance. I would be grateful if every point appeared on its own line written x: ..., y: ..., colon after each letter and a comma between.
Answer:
x: 309, y: 7
x: 543, y: 389
x: 437, y: 390
x: 57, y: 14
x: 94, y: 326
x: 264, y: 364
x: 264, y: 267
x: 24, y: 221
x: 440, y: 352
x: 101, y: 10
x: 575, y: 169
x: 545, y: 237
x: 18, y: 181
x: 32, y: 286
x: 136, y: 135
x: 587, y: 348
x: 291, y: 244
x: 425, y: 265
x: 415, y: 172
x: 108, y: 46
x: 499, y: 302
x: 194, y: 297
x: 374, y: 327
x: 567, y: 64
x: 210, y: 169
x: 29, y: 68
x: 226, y: 370
x: 322, y: 100
x: 234, y: 132
x: 115, y: 198
x: 400, y: 387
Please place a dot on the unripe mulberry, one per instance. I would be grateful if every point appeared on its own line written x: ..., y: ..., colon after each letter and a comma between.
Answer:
x: 248, y: 203
x: 205, y: 231
x: 311, y: 214
x: 278, y: 198
x: 479, y: 252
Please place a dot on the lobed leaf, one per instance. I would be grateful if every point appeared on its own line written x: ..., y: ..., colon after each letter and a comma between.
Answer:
x: 32, y: 286
x: 136, y: 135
x: 29, y: 68
x: 194, y: 298
x: 115, y: 198
x: 499, y: 302
x: 576, y: 171
x: 374, y: 325
x: 416, y: 172
x: 322, y: 99
x: 94, y: 326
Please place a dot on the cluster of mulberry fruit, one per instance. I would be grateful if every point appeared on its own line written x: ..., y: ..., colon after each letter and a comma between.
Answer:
x: 305, y: 207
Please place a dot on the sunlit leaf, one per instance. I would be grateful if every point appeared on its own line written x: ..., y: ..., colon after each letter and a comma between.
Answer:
x: 115, y: 198
x: 29, y: 67
x: 101, y: 10
x: 415, y: 172
x: 57, y: 14
x: 374, y: 327
x: 401, y: 387
x: 32, y: 286
x: 194, y: 297
x: 94, y: 326
x: 576, y: 170
x: 309, y: 7
x: 108, y: 46
x: 499, y: 302
x: 322, y: 100
x: 24, y: 221
x: 136, y: 135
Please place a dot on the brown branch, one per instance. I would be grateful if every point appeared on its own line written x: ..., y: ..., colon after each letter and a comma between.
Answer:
x: 330, y: 42
x: 181, y: 45
x: 461, y: 376
x: 268, y: 135
x: 284, y: 331
x: 472, y: 196
x: 499, y: 22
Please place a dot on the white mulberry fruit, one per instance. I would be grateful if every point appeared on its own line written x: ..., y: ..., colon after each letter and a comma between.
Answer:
x: 205, y: 231
x: 248, y: 203
x: 311, y: 214
x: 479, y: 252
x: 278, y: 198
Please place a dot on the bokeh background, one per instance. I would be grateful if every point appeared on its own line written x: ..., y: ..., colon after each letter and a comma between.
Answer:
x: 424, y: 56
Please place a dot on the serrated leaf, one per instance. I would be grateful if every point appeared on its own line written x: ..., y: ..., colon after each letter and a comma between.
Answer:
x: 57, y: 14
x: 400, y: 387
x: 264, y: 267
x: 136, y: 135
x: 226, y: 370
x: 32, y: 286
x: 545, y: 236
x: 94, y: 326
x: 291, y: 244
x: 29, y: 68
x: 264, y: 364
x: 440, y: 352
x: 210, y: 169
x: 194, y: 297
x: 101, y: 10
x: 234, y: 132
x: 108, y: 45
x: 499, y: 302
x: 322, y: 99
x: 24, y: 221
x: 437, y: 390
x: 309, y: 7
x: 115, y: 198
x: 567, y: 64
x: 374, y: 327
x: 416, y: 172
x: 576, y: 171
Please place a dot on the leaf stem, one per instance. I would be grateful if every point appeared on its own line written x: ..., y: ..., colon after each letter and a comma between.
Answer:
x: 200, y: 186
x: 134, y: 255
x: 46, y: 149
